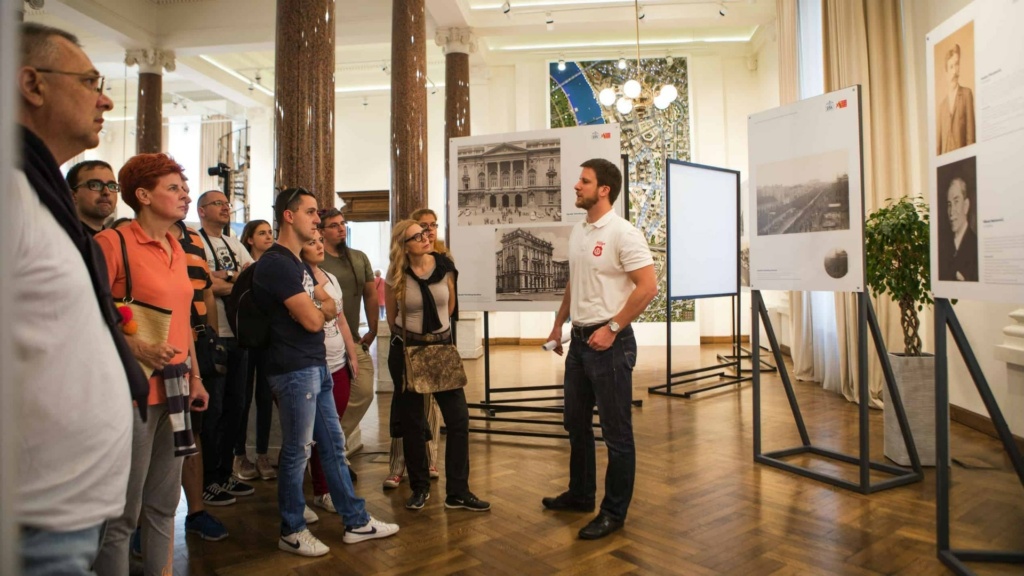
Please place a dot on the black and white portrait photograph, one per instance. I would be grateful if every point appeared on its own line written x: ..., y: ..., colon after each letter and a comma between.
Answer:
x: 957, y: 220
x: 509, y: 183
x: 805, y: 194
x: 837, y: 263
x: 532, y: 263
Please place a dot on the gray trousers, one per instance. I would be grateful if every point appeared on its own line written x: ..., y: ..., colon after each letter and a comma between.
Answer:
x: 362, y: 393
x: 154, y: 487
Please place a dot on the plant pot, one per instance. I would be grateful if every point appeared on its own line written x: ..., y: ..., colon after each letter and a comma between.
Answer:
x: 915, y: 378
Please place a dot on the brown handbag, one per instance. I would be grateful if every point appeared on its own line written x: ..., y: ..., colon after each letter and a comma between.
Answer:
x: 431, y: 368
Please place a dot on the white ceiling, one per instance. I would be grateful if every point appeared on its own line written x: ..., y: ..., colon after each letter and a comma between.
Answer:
x: 222, y: 45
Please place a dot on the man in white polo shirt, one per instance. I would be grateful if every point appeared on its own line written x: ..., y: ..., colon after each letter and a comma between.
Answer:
x: 611, y: 281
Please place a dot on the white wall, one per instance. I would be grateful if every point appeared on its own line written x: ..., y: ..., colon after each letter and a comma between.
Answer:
x: 982, y: 322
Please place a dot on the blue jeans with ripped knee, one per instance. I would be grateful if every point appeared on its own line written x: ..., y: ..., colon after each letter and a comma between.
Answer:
x: 308, y: 413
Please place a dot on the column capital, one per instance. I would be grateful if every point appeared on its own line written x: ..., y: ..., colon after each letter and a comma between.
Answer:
x: 150, y: 60
x: 457, y: 40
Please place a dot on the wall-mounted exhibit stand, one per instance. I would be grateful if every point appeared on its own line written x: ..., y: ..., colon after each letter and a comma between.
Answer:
x: 974, y: 70
x: 514, y: 207
x: 807, y: 233
x: 702, y: 261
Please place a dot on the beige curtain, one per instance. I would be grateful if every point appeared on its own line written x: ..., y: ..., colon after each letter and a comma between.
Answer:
x: 212, y: 149
x: 864, y: 45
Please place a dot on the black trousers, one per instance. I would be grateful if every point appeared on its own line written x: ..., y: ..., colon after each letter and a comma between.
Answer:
x: 409, y: 422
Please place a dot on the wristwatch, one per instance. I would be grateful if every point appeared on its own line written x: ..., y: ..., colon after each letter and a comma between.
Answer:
x: 613, y: 326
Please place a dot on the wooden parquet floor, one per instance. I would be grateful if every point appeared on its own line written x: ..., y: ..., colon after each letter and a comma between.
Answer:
x: 701, y: 506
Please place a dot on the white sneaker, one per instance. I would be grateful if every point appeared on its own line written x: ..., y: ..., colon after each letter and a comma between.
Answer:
x: 324, y: 501
x: 302, y: 543
x: 309, y: 516
x: 372, y: 529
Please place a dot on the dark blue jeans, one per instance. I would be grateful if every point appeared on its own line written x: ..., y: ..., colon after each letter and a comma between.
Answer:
x: 223, y: 416
x: 604, y: 379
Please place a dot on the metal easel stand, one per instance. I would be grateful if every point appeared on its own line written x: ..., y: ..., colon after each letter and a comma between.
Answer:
x: 866, y: 319
x: 719, y: 371
x: 492, y: 407
x: 954, y: 559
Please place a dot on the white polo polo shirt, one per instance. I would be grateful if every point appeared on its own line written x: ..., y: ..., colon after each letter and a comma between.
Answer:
x: 600, y: 257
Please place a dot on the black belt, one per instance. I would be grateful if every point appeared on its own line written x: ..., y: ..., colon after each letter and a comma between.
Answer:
x: 433, y: 338
x: 584, y: 332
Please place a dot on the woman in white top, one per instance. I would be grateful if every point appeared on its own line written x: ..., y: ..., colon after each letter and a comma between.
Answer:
x: 340, y: 347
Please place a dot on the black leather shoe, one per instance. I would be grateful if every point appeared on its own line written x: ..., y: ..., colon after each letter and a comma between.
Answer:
x: 599, y: 528
x: 418, y: 500
x: 565, y: 502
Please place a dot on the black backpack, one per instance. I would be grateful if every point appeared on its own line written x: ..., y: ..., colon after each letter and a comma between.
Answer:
x: 247, y: 319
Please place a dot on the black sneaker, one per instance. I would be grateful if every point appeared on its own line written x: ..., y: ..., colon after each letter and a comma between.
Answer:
x: 418, y: 500
x: 236, y: 487
x: 566, y: 502
x: 214, y: 495
x: 467, y: 501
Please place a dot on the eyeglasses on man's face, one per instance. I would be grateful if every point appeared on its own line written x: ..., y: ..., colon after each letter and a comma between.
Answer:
x: 430, y: 225
x: 94, y: 81
x: 99, y: 185
x: 216, y: 204
x: 418, y: 237
x: 336, y: 226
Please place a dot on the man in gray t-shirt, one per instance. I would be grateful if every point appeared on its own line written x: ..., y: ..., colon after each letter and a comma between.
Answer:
x: 355, y: 275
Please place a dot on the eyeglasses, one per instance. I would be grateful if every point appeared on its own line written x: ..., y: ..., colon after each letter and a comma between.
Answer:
x: 99, y: 185
x: 417, y: 237
x: 335, y: 226
x: 95, y: 82
x: 216, y: 203
x: 430, y: 225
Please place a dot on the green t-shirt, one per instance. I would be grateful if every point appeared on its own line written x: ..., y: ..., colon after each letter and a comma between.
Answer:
x: 352, y: 286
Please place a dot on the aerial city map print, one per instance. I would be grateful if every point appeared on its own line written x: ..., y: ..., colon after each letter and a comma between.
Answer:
x: 649, y: 137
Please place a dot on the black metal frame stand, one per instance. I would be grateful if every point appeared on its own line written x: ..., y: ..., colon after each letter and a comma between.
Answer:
x: 954, y: 559
x: 866, y: 319
x: 732, y: 362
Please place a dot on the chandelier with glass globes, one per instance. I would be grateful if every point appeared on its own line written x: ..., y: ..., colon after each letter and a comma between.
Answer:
x: 632, y: 91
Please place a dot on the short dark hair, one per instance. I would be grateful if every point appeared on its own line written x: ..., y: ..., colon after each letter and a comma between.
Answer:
x: 199, y: 201
x: 36, y: 45
x: 326, y: 214
x: 954, y: 51
x: 608, y: 174
x: 288, y: 199
x: 72, y: 176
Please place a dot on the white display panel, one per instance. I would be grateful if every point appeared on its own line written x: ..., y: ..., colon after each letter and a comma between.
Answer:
x: 975, y: 69
x: 509, y: 229
x: 703, y: 230
x: 806, y: 195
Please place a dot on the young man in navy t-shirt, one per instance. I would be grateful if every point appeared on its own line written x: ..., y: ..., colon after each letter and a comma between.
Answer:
x: 297, y: 373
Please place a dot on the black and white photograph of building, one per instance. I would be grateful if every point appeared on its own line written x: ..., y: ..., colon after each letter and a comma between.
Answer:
x: 806, y: 194
x: 532, y: 263
x: 508, y: 183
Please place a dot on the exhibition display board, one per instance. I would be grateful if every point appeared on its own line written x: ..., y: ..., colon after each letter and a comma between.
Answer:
x: 806, y: 195
x: 512, y: 204
x: 703, y: 230
x: 975, y: 71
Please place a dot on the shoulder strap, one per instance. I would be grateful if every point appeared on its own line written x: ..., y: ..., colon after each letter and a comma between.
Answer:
x: 127, y: 269
x: 216, y: 261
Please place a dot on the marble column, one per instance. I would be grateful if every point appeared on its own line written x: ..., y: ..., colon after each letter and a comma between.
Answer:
x: 304, y: 98
x: 408, y: 108
x: 149, y: 116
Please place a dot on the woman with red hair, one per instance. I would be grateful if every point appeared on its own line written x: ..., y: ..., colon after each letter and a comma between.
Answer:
x: 146, y: 258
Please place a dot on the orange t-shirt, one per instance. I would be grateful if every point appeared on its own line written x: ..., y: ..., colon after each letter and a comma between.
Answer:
x: 157, y: 279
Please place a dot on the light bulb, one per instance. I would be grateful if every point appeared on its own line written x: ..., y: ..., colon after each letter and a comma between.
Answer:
x: 660, y: 102
x: 606, y: 97
x: 561, y: 65
x: 669, y: 92
x: 622, y: 63
x: 631, y: 88
x: 624, y: 106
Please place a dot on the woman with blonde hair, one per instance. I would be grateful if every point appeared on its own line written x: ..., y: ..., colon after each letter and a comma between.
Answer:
x: 420, y: 298
x: 427, y: 220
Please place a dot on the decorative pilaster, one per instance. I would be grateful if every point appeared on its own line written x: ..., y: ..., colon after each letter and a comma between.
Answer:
x: 408, y: 108
x: 1011, y: 350
x: 149, y: 114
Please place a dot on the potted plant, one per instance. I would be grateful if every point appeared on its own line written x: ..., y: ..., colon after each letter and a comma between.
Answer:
x: 897, y: 254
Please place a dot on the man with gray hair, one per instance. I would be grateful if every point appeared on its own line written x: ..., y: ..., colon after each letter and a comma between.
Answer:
x: 958, y: 252
x: 77, y: 375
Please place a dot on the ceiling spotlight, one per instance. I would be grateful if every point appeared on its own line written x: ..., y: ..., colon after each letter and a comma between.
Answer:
x: 386, y: 69
x: 258, y: 77
x: 549, y: 21
x: 506, y: 7
x: 622, y: 63
x: 251, y: 86
x: 640, y: 15
x: 561, y: 65
x: 722, y: 10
